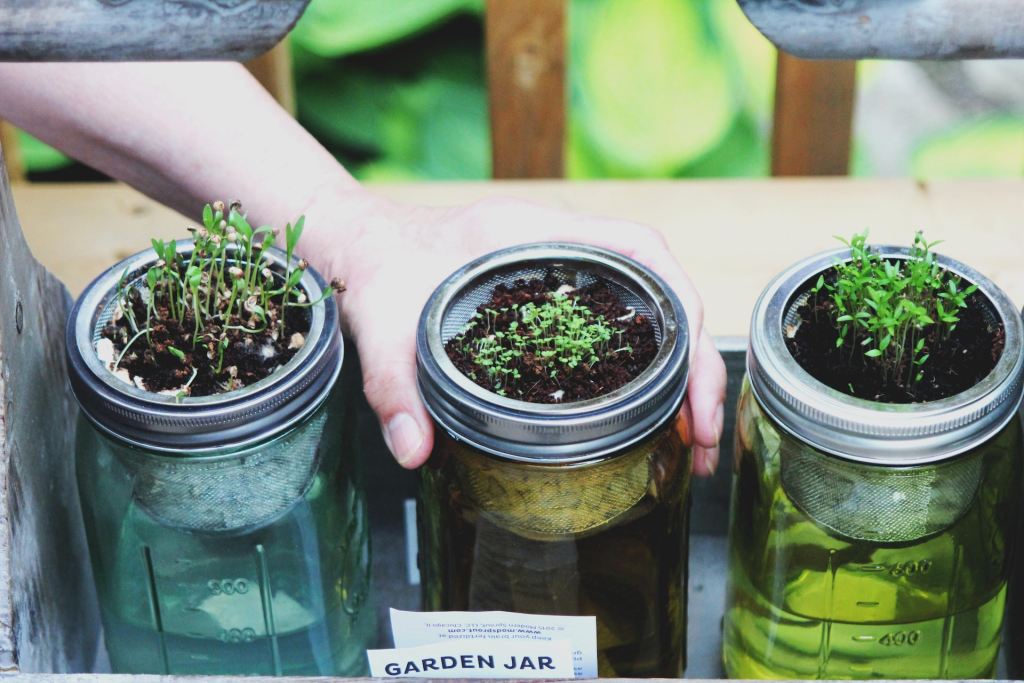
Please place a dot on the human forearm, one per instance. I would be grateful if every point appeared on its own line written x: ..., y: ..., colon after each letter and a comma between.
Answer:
x: 184, y: 134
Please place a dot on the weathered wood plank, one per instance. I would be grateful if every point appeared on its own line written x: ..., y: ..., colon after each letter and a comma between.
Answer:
x: 731, y: 236
x: 109, y: 30
x: 813, y: 123
x: 49, y: 620
x: 888, y: 29
x: 526, y: 86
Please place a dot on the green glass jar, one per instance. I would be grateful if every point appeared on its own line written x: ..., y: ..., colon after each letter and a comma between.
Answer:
x: 228, y: 533
x: 572, y: 509
x: 869, y: 540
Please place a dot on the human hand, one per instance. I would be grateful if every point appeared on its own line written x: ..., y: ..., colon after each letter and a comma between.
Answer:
x: 393, y: 256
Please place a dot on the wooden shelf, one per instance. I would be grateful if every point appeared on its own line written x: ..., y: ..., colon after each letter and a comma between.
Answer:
x: 732, y: 236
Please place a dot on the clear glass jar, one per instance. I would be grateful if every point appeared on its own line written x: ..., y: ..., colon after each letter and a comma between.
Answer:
x: 869, y: 540
x: 568, y: 509
x: 606, y: 538
x: 228, y: 534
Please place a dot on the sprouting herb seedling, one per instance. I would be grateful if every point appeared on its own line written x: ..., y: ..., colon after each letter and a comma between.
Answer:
x: 555, y: 336
x: 886, y: 309
x: 193, y: 307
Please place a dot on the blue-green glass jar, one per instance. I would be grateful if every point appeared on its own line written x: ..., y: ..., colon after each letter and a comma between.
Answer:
x: 228, y: 533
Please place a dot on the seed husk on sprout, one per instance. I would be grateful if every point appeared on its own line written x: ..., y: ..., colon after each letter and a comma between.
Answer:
x: 224, y: 292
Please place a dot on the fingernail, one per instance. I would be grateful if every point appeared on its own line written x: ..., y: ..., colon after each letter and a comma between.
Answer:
x: 711, y: 459
x: 403, y: 437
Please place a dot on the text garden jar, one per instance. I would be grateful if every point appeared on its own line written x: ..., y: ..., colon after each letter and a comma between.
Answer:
x: 576, y: 508
x: 869, y: 539
x: 228, y: 533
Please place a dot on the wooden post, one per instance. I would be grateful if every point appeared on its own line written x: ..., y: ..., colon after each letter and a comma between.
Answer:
x: 526, y: 53
x: 274, y: 71
x: 813, y: 117
x: 12, y: 151
x: 49, y: 619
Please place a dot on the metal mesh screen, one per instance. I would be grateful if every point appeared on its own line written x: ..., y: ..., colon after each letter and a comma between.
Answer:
x: 878, y: 504
x: 465, y: 304
x: 556, y: 502
x: 227, y: 492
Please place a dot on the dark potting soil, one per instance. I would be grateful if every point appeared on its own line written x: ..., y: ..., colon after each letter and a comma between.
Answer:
x: 249, y: 357
x: 576, y: 384
x: 955, y: 363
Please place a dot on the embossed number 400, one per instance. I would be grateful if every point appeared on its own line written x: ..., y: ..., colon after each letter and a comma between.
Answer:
x: 900, y: 638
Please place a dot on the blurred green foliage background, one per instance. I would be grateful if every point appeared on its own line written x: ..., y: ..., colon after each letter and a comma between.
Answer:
x: 658, y: 88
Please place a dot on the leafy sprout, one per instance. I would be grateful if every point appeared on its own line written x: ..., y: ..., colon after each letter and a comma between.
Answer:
x: 224, y: 283
x: 887, y: 308
x: 558, y: 334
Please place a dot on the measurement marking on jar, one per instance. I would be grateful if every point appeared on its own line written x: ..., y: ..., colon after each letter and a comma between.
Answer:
x: 228, y: 586
x: 898, y: 638
x: 863, y: 638
x: 238, y: 635
x: 866, y: 603
x: 909, y: 568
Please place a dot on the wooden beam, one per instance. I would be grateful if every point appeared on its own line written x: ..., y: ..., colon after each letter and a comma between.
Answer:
x: 698, y: 218
x: 12, y: 152
x: 813, y: 117
x: 526, y: 53
x: 116, y: 30
x: 49, y: 618
x: 274, y: 71
x: 884, y: 29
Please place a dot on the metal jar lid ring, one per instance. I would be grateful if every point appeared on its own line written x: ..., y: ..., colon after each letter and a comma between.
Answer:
x: 871, y: 431
x: 204, y: 423
x: 562, y: 432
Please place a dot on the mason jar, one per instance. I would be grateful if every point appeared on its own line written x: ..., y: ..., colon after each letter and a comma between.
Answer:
x: 227, y: 533
x: 869, y: 539
x: 576, y: 508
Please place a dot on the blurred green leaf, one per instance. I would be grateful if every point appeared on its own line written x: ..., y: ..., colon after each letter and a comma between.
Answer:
x: 38, y: 156
x: 749, y: 58
x: 648, y: 84
x: 333, y: 28
x: 431, y: 125
x: 985, y: 148
x: 348, y: 107
x: 386, y: 172
x: 742, y: 153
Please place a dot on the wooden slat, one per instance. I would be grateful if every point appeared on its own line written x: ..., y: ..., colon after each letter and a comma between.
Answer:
x: 884, y: 29
x: 120, y: 30
x: 12, y: 152
x: 731, y: 236
x: 49, y: 619
x: 813, y: 117
x: 526, y: 53
x: 274, y: 70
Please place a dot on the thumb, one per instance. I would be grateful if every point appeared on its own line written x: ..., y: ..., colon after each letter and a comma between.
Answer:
x: 389, y: 382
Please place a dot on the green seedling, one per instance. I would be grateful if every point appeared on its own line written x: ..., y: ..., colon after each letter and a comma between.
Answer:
x: 225, y: 283
x: 558, y: 334
x: 886, y: 309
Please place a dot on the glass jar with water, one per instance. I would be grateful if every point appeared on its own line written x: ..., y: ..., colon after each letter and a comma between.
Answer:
x: 227, y: 533
x: 869, y: 539
x: 576, y: 508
